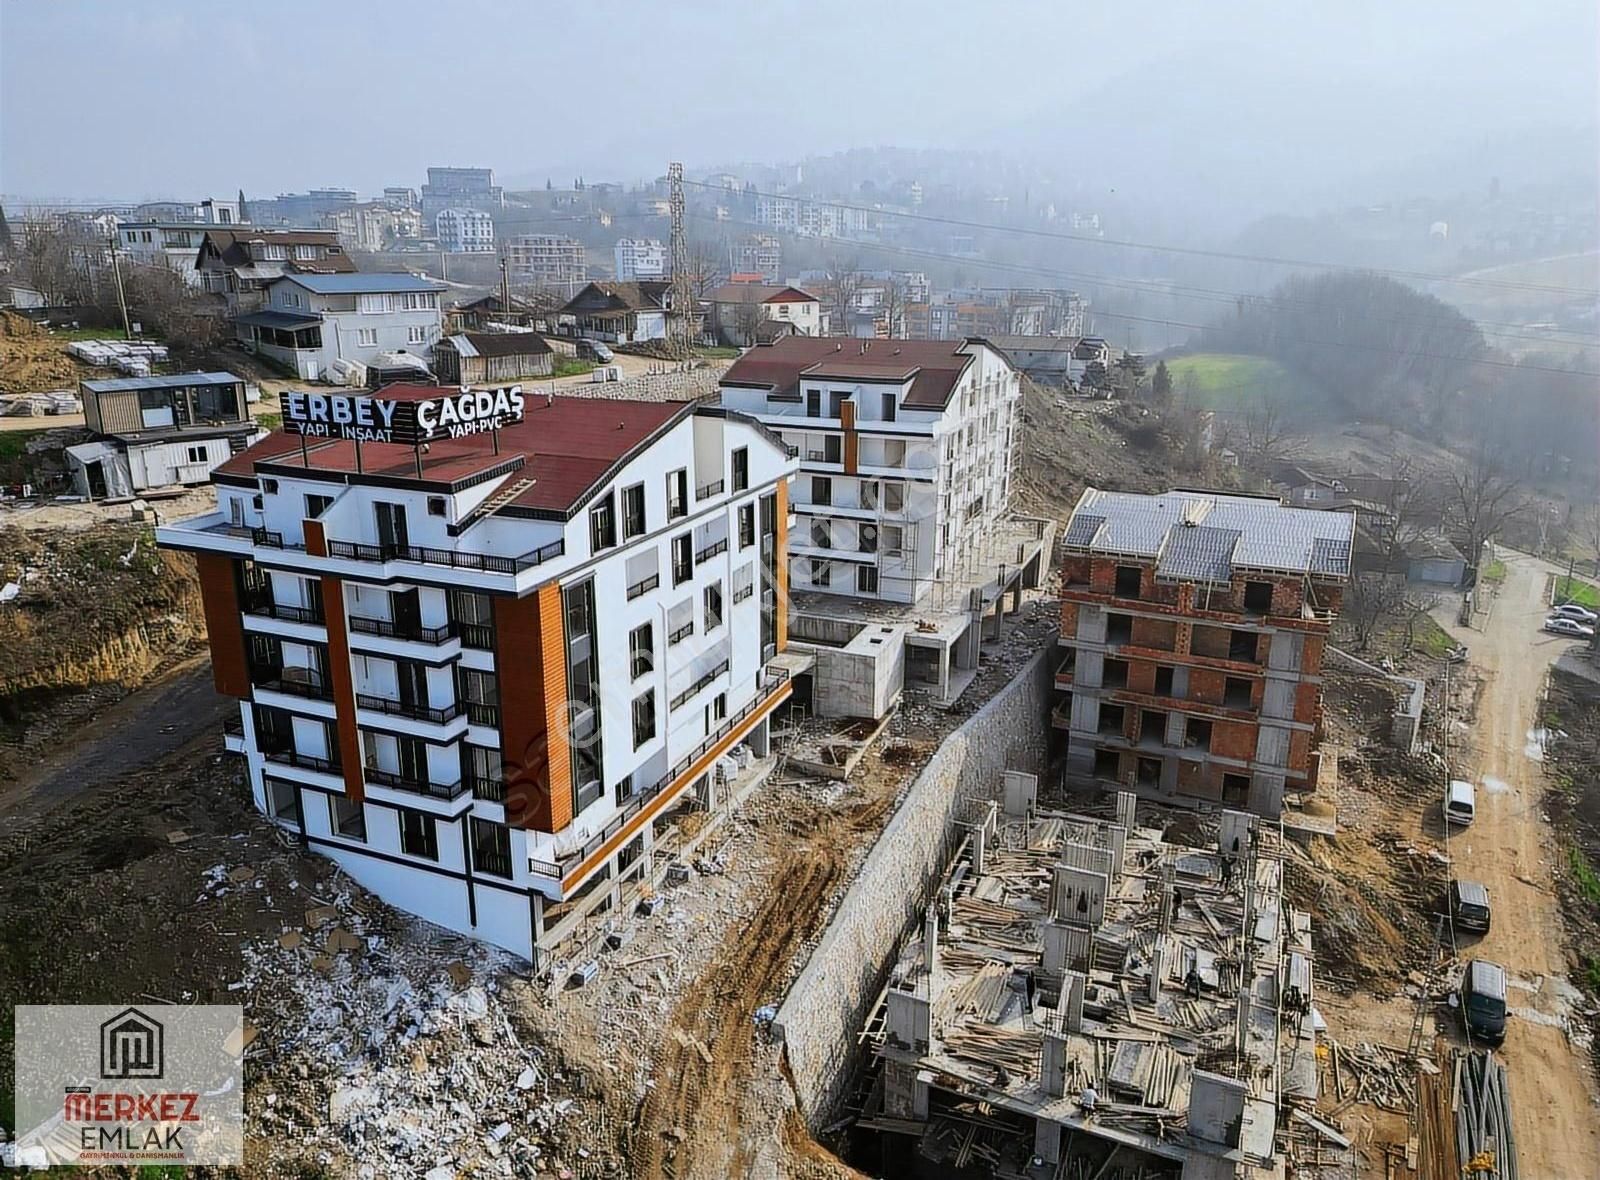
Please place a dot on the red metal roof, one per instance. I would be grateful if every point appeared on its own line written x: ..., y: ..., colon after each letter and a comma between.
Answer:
x: 568, y: 444
x: 932, y: 366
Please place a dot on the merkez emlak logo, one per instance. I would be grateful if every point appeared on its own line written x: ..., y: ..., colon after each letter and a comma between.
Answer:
x: 111, y: 1084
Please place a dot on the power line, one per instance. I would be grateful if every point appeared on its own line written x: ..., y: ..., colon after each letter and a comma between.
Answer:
x: 1172, y: 323
x: 1191, y: 251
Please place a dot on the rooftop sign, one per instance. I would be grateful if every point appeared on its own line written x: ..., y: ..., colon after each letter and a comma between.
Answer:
x: 407, y: 421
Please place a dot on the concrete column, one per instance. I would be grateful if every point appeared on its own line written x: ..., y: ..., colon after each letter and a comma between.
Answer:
x: 920, y: 1089
x: 1047, y: 1139
x: 1127, y: 802
x: 907, y: 1017
x: 930, y: 941
x: 1053, y: 1065
x: 760, y: 738
x: 1119, y: 845
x: 1158, y: 968
x: 980, y: 850
x: 944, y: 672
x: 1053, y: 958
x: 1072, y: 1000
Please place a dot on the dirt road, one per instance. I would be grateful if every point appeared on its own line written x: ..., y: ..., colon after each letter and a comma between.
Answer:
x: 1510, y: 848
x: 149, y: 724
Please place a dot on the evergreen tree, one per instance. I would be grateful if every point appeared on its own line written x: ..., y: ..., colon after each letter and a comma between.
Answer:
x: 1161, y: 385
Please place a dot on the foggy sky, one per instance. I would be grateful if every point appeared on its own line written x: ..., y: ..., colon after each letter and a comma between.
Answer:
x: 1245, y: 102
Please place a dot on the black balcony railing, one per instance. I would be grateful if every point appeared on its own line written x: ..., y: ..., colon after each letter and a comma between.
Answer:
x: 474, y: 635
x: 744, y: 592
x: 643, y: 586
x: 266, y: 537
x: 304, y: 761
x: 706, y: 490
x: 266, y: 608
x: 494, y: 863
x: 391, y: 630
x: 313, y: 687
x: 233, y: 726
x: 680, y: 634
x: 489, y: 789
x: 482, y: 713
x: 415, y: 786
x: 698, y: 686
x: 568, y: 862
x: 711, y: 551
x: 483, y: 562
x: 409, y: 709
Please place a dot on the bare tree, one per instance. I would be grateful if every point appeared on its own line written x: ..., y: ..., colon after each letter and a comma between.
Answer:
x: 746, y: 319
x: 53, y: 260
x: 705, y: 266
x: 160, y: 298
x: 1369, y: 600
x: 893, y: 306
x: 844, y: 282
x: 1267, y: 435
x: 1481, y: 498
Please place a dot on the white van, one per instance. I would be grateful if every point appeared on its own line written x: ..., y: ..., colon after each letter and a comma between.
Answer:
x: 1460, y: 802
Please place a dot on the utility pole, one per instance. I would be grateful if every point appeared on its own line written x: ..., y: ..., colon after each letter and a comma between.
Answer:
x: 505, y: 287
x: 122, y: 298
x: 681, y: 336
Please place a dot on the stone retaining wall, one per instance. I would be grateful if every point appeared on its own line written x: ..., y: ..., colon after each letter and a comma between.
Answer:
x: 824, y: 1010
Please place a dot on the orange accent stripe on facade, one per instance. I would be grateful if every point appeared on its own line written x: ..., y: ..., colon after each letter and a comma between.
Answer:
x: 344, y: 688
x: 553, y: 660
x: 219, y: 595
x: 670, y: 795
x: 523, y: 650
x: 316, y: 539
x: 852, y: 441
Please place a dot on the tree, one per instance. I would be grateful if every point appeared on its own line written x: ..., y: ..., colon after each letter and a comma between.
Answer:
x: 160, y: 299
x: 53, y: 260
x: 705, y: 266
x: 1268, y: 437
x: 1097, y: 378
x: 893, y: 306
x: 1368, y: 600
x: 6, y: 243
x: 1481, y: 497
x: 1161, y: 385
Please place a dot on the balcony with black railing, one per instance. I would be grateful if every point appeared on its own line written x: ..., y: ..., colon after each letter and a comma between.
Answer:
x: 489, y: 563
x: 482, y: 713
x: 288, y: 756
x: 267, y: 608
x: 413, y: 632
x: 479, y: 636
x: 711, y: 551
x: 415, y: 786
x: 706, y: 490
x: 643, y: 586
x: 699, y: 685
x: 412, y: 709
x: 299, y: 682
x: 489, y: 788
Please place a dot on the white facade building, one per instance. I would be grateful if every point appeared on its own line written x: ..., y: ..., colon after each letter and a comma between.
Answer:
x: 490, y: 680
x: 640, y: 258
x: 312, y: 320
x: 465, y: 231
x: 174, y: 245
x: 907, y: 449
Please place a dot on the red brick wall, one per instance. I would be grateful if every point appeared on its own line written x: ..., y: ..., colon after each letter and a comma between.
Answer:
x: 1233, y: 739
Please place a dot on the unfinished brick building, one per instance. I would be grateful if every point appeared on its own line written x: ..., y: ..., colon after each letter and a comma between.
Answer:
x: 1192, y: 633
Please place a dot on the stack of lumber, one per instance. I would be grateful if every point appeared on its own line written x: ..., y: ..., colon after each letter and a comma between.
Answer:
x: 1436, y: 1128
x: 994, y: 925
x: 1374, y: 1074
x: 1015, y: 1052
x: 981, y: 994
x: 1145, y: 1072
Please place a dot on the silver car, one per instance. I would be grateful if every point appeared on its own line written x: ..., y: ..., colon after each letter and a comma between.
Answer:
x: 1561, y: 625
x: 1571, y: 610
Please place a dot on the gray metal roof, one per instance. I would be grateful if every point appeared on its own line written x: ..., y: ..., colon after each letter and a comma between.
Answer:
x: 362, y: 284
x: 174, y: 381
x: 279, y: 319
x: 1207, y: 536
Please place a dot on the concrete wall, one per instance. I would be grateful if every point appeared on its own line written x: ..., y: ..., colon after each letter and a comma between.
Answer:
x: 826, y: 1006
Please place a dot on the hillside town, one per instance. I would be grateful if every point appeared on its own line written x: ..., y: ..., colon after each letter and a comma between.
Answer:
x: 778, y: 670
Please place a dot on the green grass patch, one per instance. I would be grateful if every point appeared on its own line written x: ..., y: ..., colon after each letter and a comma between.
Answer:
x: 1494, y: 572
x: 1230, y: 381
x: 269, y: 421
x: 1583, y: 873
x: 717, y: 352
x: 1431, y: 639
x: 89, y: 333
x: 14, y: 443
x: 571, y: 366
x: 1577, y: 590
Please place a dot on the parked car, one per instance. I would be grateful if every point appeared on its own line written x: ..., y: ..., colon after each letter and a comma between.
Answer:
x: 594, y: 350
x: 1571, y: 610
x: 1469, y: 906
x: 1460, y: 802
x: 1483, y: 1000
x: 1561, y: 625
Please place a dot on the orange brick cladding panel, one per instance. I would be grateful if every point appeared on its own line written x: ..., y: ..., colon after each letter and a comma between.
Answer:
x: 530, y: 657
x: 220, y: 595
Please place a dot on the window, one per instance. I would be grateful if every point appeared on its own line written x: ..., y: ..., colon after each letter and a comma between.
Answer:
x: 822, y: 534
x: 316, y: 505
x: 894, y: 496
x: 583, y: 692
x: 644, y: 718
x: 1112, y: 719
x: 682, y: 558
x: 1258, y: 597
x: 1163, y: 681
x: 491, y: 848
x: 741, y: 469
x: 719, y: 707
x: 713, y: 596
x: 836, y: 404
x: 1127, y: 584
x: 472, y: 618
x: 417, y: 334
x: 1115, y: 674
x: 419, y: 836
x: 305, y: 253
x: 680, y: 621
x: 1197, y: 733
x: 867, y: 579
x: 196, y: 454
x: 866, y: 538
x: 275, y: 253
x: 821, y: 573
x: 283, y: 800
x: 633, y: 511
x: 603, y: 524
x: 641, y: 649
x: 888, y: 407
x: 1242, y: 646
x: 1236, y: 692
x: 821, y: 489
x: 367, y: 337
x: 813, y: 403
x: 747, y: 526
x: 677, y: 493
x: 894, y: 452
x: 744, y: 582
x: 375, y: 304
x: 894, y: 539
x: 1236, y: 788
x: 833, y: 449
x: 349, y: 818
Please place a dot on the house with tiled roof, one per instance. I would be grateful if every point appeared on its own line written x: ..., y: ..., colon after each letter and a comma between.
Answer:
x: 240, y: 263
x: 740, y: 311
x: 322, y: 325
x: 619, y: 313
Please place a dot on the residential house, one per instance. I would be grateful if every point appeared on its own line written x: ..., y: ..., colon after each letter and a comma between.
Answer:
x: 461, y: 188
x: 739, y: 310
x: 374, y: 225
x: 174, y: 245
x: 153, y: 433
x: 309, y: 321
x: 239, y: 264
x: 619, y: 313
x: 491, y: 678
x: 1193, y: 628
x: 477, y: 314
x: 487, y: 358
x: 906, y: 448
x: 758, y: 254
x: 640, y: 258
x: 464, y: 231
